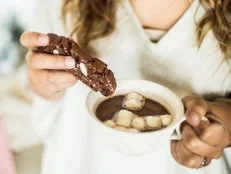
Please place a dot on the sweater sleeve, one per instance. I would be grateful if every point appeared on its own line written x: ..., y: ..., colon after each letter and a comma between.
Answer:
x: 45, y: 113
x: 45, y: 116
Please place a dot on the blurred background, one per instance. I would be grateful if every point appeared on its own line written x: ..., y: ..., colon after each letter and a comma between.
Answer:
x: 15, y: 99
x: 23, y: 144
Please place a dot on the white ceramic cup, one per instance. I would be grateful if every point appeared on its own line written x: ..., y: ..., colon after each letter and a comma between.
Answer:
x: 140, y: 143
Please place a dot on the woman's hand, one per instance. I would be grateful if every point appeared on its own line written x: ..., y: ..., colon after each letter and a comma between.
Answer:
x: 202, y: 140
x: 46, y: 73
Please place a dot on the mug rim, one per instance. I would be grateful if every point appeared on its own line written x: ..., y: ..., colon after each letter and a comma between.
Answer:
x: 160, y: 131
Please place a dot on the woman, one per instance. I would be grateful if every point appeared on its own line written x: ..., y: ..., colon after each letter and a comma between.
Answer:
x: 184, y: 45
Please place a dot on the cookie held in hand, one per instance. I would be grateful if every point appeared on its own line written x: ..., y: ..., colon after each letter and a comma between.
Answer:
x: 91, y: 71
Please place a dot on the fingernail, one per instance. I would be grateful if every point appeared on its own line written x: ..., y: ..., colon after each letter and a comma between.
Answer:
x: 69, y: 62
x: 43, y: 39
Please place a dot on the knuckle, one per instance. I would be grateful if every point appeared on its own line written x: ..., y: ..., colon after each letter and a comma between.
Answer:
x: 191, y: 101
x: 194, y: 101
x: 192, y: 143
x: 191, y: 162
x: 207, y: 134
x: 198, y: 107
x: 200, y: 103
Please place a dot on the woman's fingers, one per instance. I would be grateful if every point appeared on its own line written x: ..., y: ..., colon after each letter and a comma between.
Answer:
x: 191, y: 150
x: 50, y: 84
x: 52, y: 77
x: 201, y: 137
x: 34, y: 39
x: 197, y: 146
x: 173, y: 149
x: 216, y: 135
x: 46, y: 72
x: 49, y: 61
x: 184, y: 157
x: 196, y: 108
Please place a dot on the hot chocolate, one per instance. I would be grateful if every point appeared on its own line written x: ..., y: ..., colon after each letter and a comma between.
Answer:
x: 133, y: 113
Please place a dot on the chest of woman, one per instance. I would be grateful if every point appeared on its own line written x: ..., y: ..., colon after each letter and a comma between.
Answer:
x: 175, y: 61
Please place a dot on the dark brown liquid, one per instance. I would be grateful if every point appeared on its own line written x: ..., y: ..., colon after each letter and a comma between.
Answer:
x: 106, y: 110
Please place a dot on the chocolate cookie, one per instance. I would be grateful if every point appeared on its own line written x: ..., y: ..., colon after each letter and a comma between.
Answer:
x: 91, y: 71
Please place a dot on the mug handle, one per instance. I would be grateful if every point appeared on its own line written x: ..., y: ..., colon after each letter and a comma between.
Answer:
x: 176, y: 135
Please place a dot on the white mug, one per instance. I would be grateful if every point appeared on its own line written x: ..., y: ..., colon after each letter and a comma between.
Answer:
x: 140, y: 143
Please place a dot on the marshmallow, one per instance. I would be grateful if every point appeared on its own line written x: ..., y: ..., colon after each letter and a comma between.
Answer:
x: 132, y: 130
x: 138, y: 123
x: 136, y: 95
x: 133, y: 101
x: 153, y: 122
x: 55, y: 51
x: 121, y: 128
x: 109, y: 123
x: 123, y: 118
x: 166, y: 120
x: 83, y: 69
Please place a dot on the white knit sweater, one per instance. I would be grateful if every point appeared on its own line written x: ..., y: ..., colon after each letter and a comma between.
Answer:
x: 73, y: 146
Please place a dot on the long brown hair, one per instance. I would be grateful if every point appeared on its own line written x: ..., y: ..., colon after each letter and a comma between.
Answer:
x: 93, y: 19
